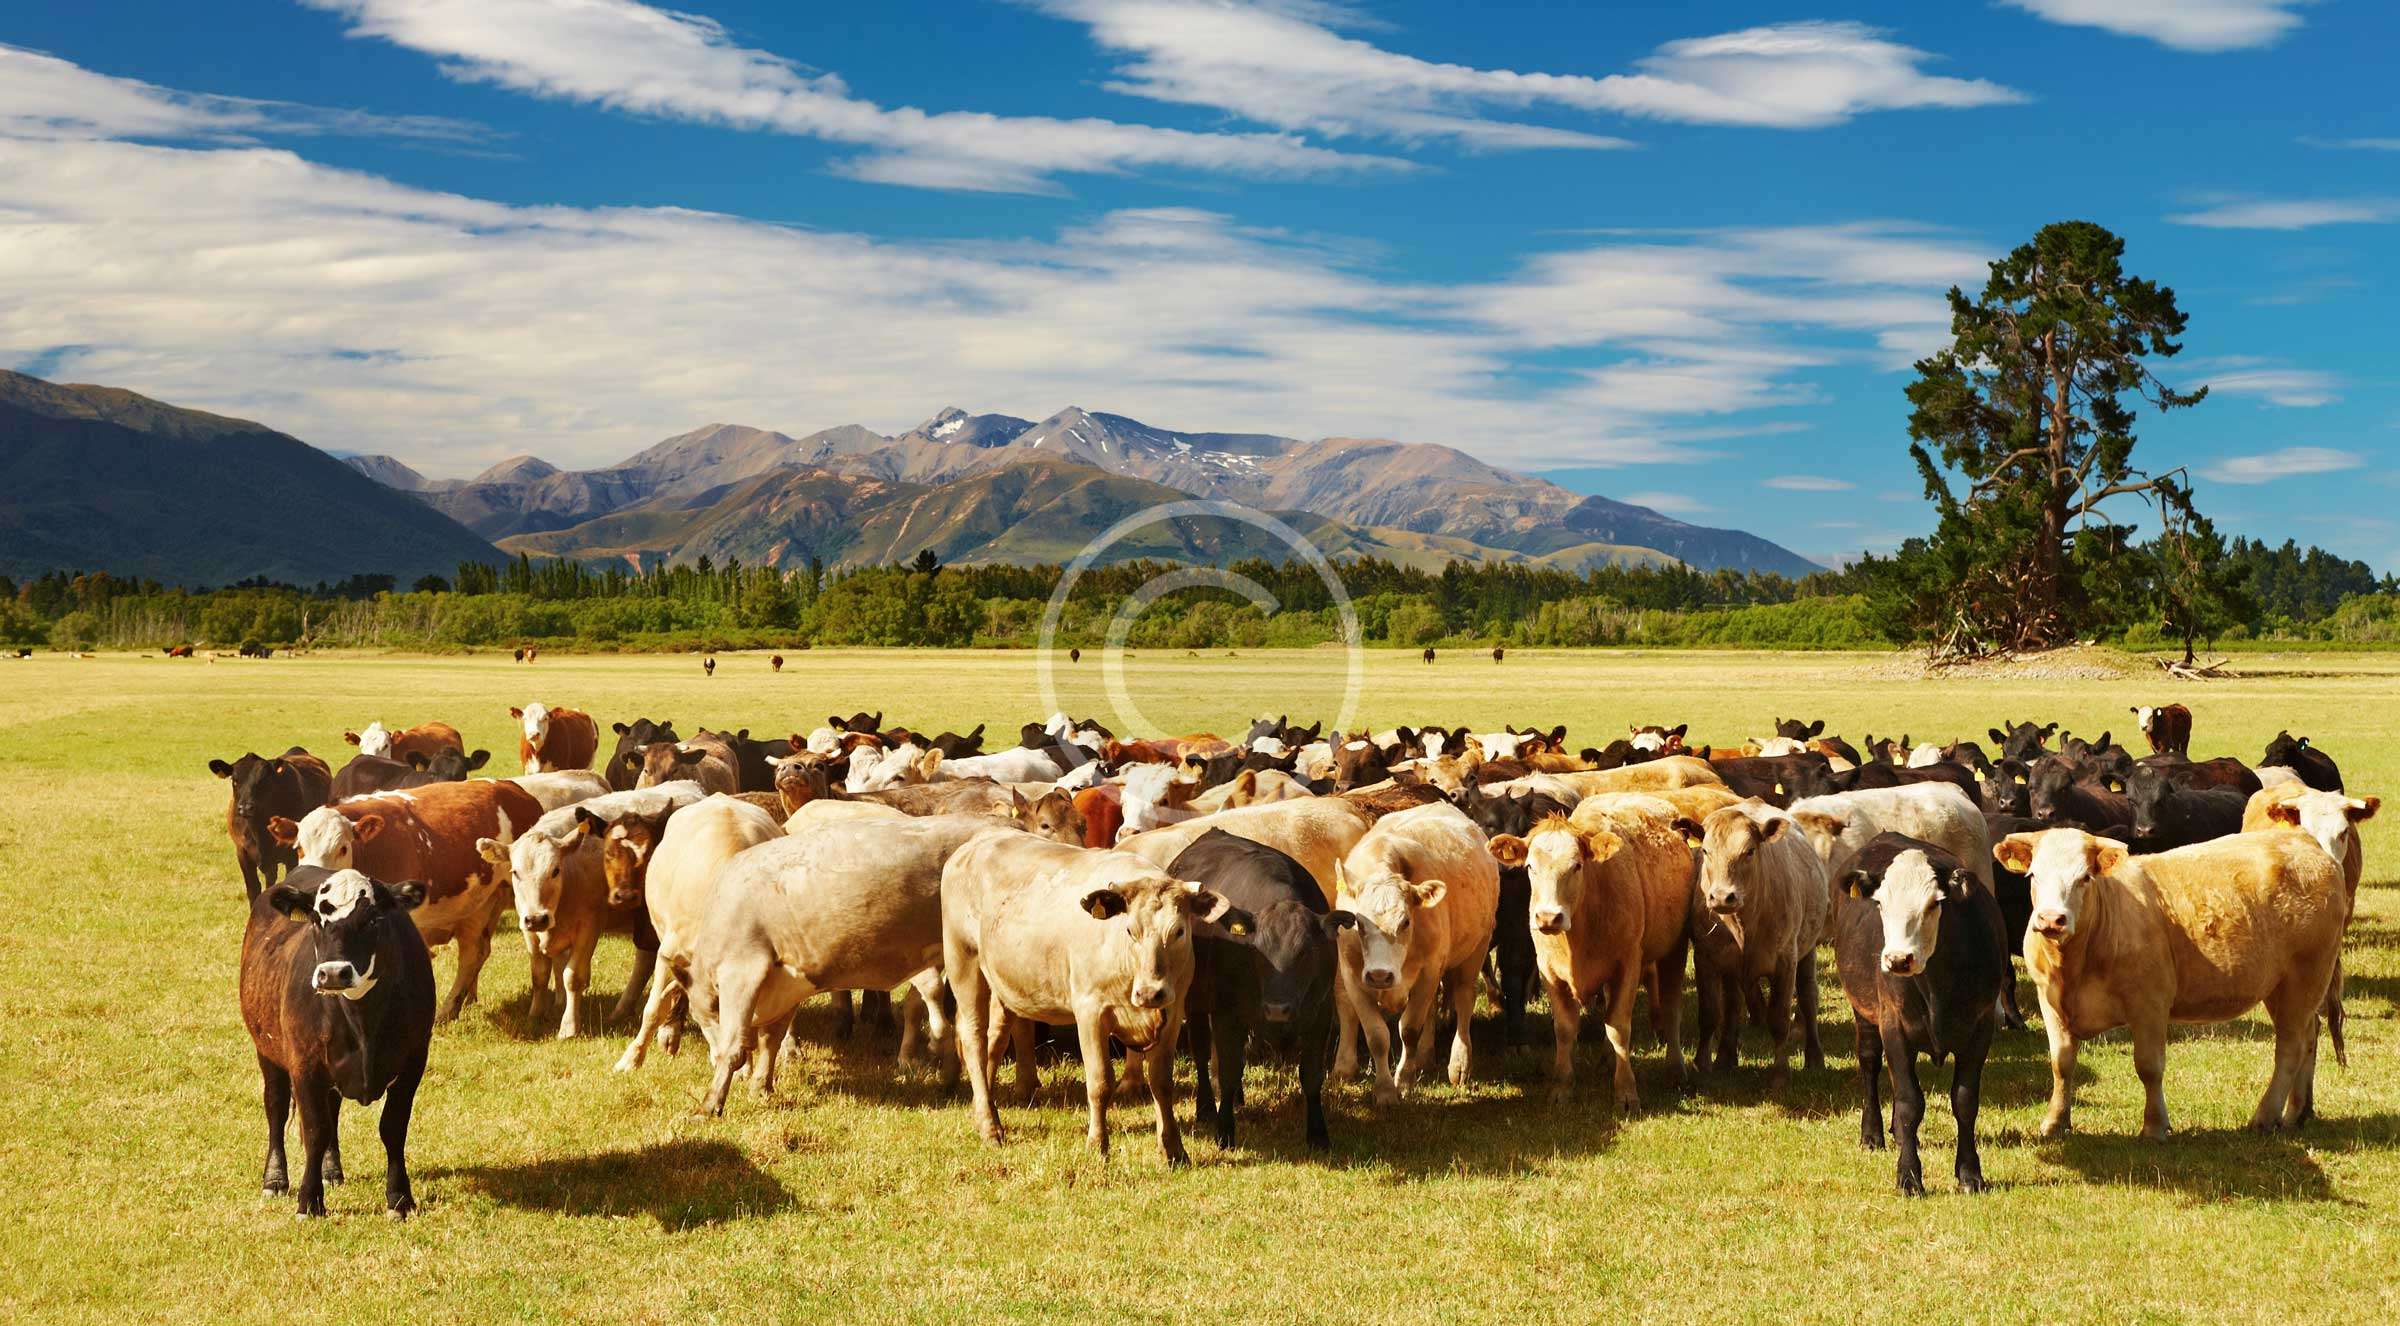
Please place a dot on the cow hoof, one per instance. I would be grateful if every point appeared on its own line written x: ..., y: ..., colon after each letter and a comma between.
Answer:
x: 333, y: 1172
x: 1561, y: 1093
x: 1387, y: 1095
x: 274, y: 1188
x: 1970, y: 1183
x: 401, y: 1210
x: 2052, y: 1128
x: 1911, y: 1187
x: 1629, y: 1104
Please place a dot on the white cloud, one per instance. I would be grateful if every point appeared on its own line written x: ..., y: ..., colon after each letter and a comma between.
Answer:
x: 1287, y: 64
x: 2270, y: 466
x: 2300, y: 388
x: 2356, y: 144
x: 632, y: 57
x: 42, y: 96
x: 1673, y: 504
x: 453, y: 331
x: 2186, y: 25
x: 1808, y: 483
x: 2292, y: 213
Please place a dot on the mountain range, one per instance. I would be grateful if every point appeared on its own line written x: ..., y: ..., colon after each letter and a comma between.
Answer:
x: 991, y: 487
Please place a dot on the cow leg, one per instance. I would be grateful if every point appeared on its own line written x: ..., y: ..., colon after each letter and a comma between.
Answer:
x: 578, y: 979
x: 2295, y: 1018
x: 2012, y: 1017
x: 399, y: 1199
x: 1378, y: 1036
x: 654, y: 1015
x: 1666, y: 1009
x: 1312, y: 1083
x: 1566, y: 1027
x: 1416, y: 1030
x: 770, y: 1053
x: 974, y: 1048
x: 474, y: 945
x: 1462, y: 1016
x: 1348, y: 1026
x: 875, y: 1009
x: 1870, y: 1082
x: 1097, y: 1068
x: 1779, y: 1022
x: 2150, y: 1065
x: 645, y: 963
x: 314, y: 1127
x: 2060, y: 1116
x: 1196, y: 1026
x: 1805, y: 987
x: 1966, y: 1098
x: 277, y: 1088
x: 1029, y: 1073
x: 333, y: 1136
x: 249, y: 873
x: 1908, y: 1110
x: 1160, y: 1061
x: 541, y: 973
x: 1620, y: 1039
x: 729, y: 1040
x: 845, y: 1015
x: 1232, y: 1052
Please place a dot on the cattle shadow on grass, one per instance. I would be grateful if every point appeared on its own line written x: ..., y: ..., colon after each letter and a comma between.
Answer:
x: 681, y: 1184
x: 2209, y: 1164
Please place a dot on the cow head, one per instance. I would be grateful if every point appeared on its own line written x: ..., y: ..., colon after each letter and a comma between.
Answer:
x: 1732, y: 846
x: 2329, y: 817
x: 2047, y: 783
x: 1798, y: 730
x: 326, y: 837
x: 536, y: 720
x: 2059, y: 866
x: 536, y: 863
x: 1383, y: 908
x: 802, y: 777
x: 1053, y: 815
x: 2148, y: 788
x: 447, y: 764
x: 625, y: 848
x: 1556, y: 855
x: 2023, y: 741
x: 375, y: 740
x: 1909, y: 900
x: 348, y: 911
x: 1152, y: 914
x: 1824, y: 822
x: 624, y: 767
x: 1296, y: 946
x: 2005, y: 789
x: 260, y: 785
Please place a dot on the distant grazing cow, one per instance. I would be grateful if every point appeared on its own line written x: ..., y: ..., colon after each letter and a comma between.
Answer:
x: 429, y: 834
x: 555, y: 738
x: 1429, y: 653
x: 1766, y: 887
x: 337, y: 993
x: 2201, y: 934
x: 2167, y: 816
x: 179, y: 651
x: 709, y: 666
x: 775, y: 663
x: 1277, y: 982
x: 1074, y: 655
x: 1423, y: 891
x: 624, y: 767
x: 251, y: 649
x: 2314, y: 766
x: 1923, y: 955
x: 375, y: 773
x: 2168, y: 728
x: 1498, y: 653
x: 1610, y: 913
x: 290, y: 785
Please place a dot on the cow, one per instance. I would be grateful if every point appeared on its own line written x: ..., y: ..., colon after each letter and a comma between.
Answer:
x: 2168, y: 816
x: 425, y: 739
x: 1513, y: 958
x: 1774, y: 779
x: 1610, y: 913
x: 555, y: 738
x: 1021, y: 764
x: 337, y: 994
x: 1669, y: 771
x: 775, y: 663
x: 802, y: 777
x: 1429, y: 653
x: 953, y: 746
x: 669, y: 865
x: 2199, y: 934
x: 366, y: 774
x: 1358, y: 762
x: 563, y: 787
x: 288, y: 786
x: 1763, y: 883
x: 624, y: 767
x: 1279, y: 981
x: 1655, y: 740
x: 429, y: 834
x: 251, y: 649
x: 1036, y: 931
x: 178, y: 651
x: 1498, y: 653
x: 1153, y: 797
x: 1923, y: 955
x: 2004, y: 789
x: 562, y: 899
x: 2331, y: 818
x: 2060, y: 794
x: 2168, y: 728
x: 707, y: 759
x: 1841, y: 826
x: 2023, y: 741
x: 709, y: 666
x: 2314, y: 766
x: 1317, y: 832
x: 1423, y: 891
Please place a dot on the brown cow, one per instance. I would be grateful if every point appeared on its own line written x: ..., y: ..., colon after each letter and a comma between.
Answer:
x: 425, y: 739
x: 2200, y: 934
x: 2168, y: 728
x: 429, y: 834
x: 555, y: 738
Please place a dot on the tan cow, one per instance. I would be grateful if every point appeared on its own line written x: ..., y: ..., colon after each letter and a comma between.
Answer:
x: 844, y: 907
x: 1762, y: 882
x: 1423, y: 892
x: 2332, y: 819
x: 678, y: 881
x: 1610, y: 909
x: 1317, y: 832
x: 707, y: 759
x: 818, y: 813
x: 1841, y: 825
x: 2200, y: 934
x: 1251, y: 787
x: 1037, y: 931
x: 562, y: 787
x: 1649, y: 776
x: 1695, y: 803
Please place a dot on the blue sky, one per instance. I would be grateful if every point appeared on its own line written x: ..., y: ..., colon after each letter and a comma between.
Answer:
x: 1680, y: 254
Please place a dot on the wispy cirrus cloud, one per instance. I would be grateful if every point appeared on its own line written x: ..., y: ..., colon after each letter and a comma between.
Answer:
x: 2185, y: 25
x: 2289, y: 462
x: 2299, y: 388
x: 42, y: 96
x: 1672, y: 504
x: 2291, y: 213
x: 1289, y: 63
x: 632, y: 57
x: 1807, y: 483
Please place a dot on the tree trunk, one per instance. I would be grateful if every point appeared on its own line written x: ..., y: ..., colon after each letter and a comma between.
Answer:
x: 2054, y: 495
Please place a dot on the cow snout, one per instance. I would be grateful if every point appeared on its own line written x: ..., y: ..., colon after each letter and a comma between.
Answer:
x: 1726, y: 903
x: 1900, y: 964
x: 1149, y: 994
x: 2050, y: 925
x: 1381, y: 978
x: 333, y: 977
x: 1274, y: 1012
x: 536, y: 922
x: 1550, y: 921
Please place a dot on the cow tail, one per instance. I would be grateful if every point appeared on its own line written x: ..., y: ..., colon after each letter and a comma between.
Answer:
x: 2334, y: 1015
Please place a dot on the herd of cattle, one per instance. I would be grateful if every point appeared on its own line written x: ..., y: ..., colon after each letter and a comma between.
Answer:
x: 1305, y: 888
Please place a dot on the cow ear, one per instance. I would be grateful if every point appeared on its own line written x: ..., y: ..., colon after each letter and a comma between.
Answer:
x: 1508, y: 849
x: 1856, y: 883
x: 367, y: 827
x: 492, y: 850
x: 929, y: 763
x: 2113, y: 783
x: 1206, y: 904
x: 1997, y: 735
x: 590, y: 822
x: 515, y: 712
x: 405, y: 896
x: 2284, y: 812
x: 2048, y: 728
x: 1773, y: 829
x: 419, y: 760
x: 1817, y: 729
x: 2363, y: 809
x: 2108, y: 854
x: 292, y: 902
x: 1336, y: 921
x: 283, y: 830
x: 1679, y: 730
x: 478, y: 760
x: 1429, y: 893
x: 1690, y: 830
x: 350, y: 737
x: 1103, y: 903
x: 619, y: 728
x: 2015, y: 852
x: 220, y: 768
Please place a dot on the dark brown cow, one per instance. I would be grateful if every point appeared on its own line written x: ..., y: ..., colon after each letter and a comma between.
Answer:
x: 337, y: 993
x: 775, y: 662
x: 368, y: 774
x: 2168, y: 728
x: 290, y: 785
x: 428, y: 833
x: 555, y: 739
x: 624, y: 767
x: 425, y: 739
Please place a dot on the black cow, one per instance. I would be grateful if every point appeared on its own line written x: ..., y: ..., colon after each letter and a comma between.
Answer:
x: 1775, y: 779
x: 2167, y: 816
x: 337, y: 992
x: 1429, y: 653
x: 2023, y: 741
x: 376, y: 773
x: 1920, y: 944
x: 753, y: 760
x: 624, y: 767
x: 709, y: 666
x: 2004, y: 789
x: 954, y: 747
x: 1278, y: 979
x: 2314, y: 766
x: 2064, y: 794
x: 1358, y: 762
x: 858, y: 722
x: 1796, y: 730
x: 253, y: 650
x: 1824, y: 780
x: 290, y: 785
x: 1512, y: 934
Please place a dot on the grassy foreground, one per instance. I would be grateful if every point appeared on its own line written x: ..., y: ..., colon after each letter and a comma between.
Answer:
x: 554, y: 1189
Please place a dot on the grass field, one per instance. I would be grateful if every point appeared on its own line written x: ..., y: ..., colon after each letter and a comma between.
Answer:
x: 554, y: 1189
